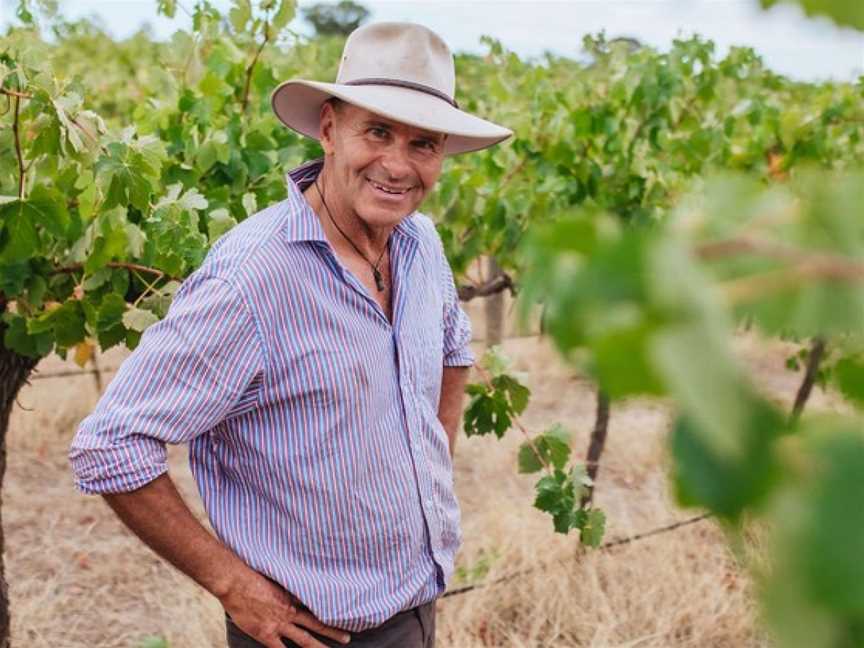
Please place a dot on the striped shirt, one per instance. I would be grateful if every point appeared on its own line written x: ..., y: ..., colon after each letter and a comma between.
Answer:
x: 311, y: 420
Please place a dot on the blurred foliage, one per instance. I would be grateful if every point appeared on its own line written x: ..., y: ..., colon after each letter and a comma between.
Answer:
x: 848, y: 13
x: 338, y: 19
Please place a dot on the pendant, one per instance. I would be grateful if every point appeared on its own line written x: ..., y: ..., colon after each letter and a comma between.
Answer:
x: 379, y: 281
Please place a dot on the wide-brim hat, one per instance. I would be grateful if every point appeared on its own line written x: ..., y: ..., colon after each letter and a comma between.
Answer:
x: 401, y: 71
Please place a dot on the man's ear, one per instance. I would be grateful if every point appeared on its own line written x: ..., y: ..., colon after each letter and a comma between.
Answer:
x: 325, y: 129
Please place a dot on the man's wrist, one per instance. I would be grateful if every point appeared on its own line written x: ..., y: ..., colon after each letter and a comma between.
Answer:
x: 223, y: 581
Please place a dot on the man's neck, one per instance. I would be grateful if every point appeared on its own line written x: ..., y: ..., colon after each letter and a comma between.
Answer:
x: 371, y: 241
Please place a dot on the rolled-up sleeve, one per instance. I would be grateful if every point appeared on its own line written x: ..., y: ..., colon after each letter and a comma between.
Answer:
x: 191, y: 369
x: 457, y: 324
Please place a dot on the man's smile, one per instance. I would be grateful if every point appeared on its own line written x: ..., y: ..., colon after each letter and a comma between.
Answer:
x: 389, y: 190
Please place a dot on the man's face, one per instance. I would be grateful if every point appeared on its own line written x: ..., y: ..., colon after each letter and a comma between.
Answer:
x: 381, y: 169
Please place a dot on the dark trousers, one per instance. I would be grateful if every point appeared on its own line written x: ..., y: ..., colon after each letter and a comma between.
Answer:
x: 414, y: 628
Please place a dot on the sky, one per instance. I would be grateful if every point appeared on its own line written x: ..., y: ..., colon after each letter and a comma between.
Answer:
x: 790, y: 42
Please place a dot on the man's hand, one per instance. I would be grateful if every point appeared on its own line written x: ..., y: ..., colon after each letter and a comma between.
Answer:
x: 159, y: 516
x: 267, y: 612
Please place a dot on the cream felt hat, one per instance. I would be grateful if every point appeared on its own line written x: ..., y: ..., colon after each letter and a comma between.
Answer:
x: 401, y: 71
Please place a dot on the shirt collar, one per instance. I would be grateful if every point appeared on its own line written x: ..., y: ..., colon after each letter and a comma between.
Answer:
x: 303, y: 223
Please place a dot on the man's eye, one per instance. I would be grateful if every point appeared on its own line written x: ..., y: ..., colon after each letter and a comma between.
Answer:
x: 426, y: 145
x: 379, y: 133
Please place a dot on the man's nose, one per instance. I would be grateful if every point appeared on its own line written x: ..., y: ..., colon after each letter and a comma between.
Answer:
x: 395, y: 163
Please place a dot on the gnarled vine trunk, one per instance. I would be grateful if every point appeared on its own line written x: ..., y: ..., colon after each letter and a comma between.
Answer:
x: 14, y: 371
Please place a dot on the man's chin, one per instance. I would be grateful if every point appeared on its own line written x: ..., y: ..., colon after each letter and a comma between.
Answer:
x: 377, y: 217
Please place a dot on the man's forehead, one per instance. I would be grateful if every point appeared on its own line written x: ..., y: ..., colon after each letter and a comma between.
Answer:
x: 364, y: 116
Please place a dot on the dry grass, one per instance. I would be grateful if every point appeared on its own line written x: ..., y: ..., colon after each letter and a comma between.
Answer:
x: 78, y: 578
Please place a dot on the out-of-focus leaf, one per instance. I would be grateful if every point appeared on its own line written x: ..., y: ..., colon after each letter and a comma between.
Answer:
x: 816, y: 584
x: 849, y: 374
x: 844, y: 12
x: 728, y: 484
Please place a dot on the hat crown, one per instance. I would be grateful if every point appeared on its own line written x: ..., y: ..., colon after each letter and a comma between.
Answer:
x: 400, y: 52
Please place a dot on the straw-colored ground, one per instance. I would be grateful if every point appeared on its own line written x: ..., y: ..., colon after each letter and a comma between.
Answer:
x: 78, y: 578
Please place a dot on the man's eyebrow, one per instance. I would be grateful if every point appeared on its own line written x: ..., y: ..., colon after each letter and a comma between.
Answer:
x: 377, y: 123
x: 430, y: 135
x: 433, y: 136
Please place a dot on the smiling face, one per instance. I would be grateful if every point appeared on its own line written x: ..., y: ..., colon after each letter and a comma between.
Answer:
x: 377, y: 168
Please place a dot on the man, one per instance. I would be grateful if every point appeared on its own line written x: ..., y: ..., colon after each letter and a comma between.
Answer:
x: 315, y: 363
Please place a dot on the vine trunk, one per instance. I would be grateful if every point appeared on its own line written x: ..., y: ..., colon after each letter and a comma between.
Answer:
x: 494, y: 308
x: 14, y: 371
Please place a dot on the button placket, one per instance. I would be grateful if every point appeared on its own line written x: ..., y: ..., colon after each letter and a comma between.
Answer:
x: 431, y: 510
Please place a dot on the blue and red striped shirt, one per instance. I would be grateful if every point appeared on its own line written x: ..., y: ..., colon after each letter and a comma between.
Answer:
x: 311, y: 420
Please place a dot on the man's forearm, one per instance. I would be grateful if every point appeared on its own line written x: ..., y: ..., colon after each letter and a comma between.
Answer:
x: 158, y: 515
x: 453, y: 382
x: 261, y: 608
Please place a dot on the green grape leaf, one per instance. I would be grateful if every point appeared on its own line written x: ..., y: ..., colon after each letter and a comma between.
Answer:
x: 18, y: 339
x: 13, y: 278
x: 19, y: 239
x: 215, y: 149
x: 109, y: 321
x: 48, y: 208
x: 87, y: 200
x: 553, y: 448
x: 492, y: 408
x: 250, y: 203
x: 120, y: 281
x: 127, y: 176
x: 135, y: 240
x: 47, y: 140
x: 97, y: 279
x: 494, y: 361
x: 66, y: 322
x: 167, y: 8
x: 219, y: 222
x: 160, y: 302
x: 558, y: 494
x: 191, y: 199
x: 592, y: 528
x: 515, y: 393
x: 284, y: 14
x: 112, y: 240
x: 36, y: 289
x: 63, y: 106
x: 487, y: 412
x: 138, y: 319
x: 849, y: 376
x: 240, y: 14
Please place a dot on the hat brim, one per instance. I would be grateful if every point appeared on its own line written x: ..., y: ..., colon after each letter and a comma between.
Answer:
x: 297, y: 104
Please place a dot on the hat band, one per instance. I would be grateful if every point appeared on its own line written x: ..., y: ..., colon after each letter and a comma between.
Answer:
x: 405, y: 84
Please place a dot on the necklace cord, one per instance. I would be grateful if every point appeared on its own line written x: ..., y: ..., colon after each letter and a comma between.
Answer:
x: 376, y: 273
